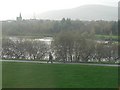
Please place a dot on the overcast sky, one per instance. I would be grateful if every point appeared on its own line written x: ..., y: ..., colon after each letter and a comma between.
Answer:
x: 10, y: 9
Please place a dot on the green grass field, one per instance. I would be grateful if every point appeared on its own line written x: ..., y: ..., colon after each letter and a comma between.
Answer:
x: 31, y: 75
x: 107, y: 37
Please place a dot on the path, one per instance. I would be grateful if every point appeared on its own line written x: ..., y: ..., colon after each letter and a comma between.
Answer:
x: 41, y: 62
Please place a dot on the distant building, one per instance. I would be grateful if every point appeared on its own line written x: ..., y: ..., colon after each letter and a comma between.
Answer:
x: 19, y: 18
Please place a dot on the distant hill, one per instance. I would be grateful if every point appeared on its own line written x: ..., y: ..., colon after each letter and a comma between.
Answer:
x: 86, y: 12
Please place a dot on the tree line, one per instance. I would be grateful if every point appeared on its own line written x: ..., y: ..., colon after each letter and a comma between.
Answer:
x: 82, y: 47
x: 74, y: 40
x: 52, y: 27
x: 23, y: 49
x: 70, y: 46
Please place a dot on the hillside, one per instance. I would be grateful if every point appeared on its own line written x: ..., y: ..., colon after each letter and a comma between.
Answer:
x: 86, y: 12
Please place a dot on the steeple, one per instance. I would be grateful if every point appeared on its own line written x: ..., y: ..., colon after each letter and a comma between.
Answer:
x: 19, y: 18
x: 20, y: 15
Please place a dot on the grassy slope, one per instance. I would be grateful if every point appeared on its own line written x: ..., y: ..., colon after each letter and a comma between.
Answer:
x: 58, y: 75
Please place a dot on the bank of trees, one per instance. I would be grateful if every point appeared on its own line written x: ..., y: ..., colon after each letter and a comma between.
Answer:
x: 52, y: 27
x: 24, y: 49
x: 82, y: 47
x: 74, y: 40
x: 66, y: 47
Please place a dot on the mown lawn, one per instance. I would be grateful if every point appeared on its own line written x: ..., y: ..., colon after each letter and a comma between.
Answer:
x: 31, y: 75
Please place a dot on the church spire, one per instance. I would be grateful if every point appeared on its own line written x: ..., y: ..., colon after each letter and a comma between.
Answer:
x: 20, y: 15
x: 19, y: 18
